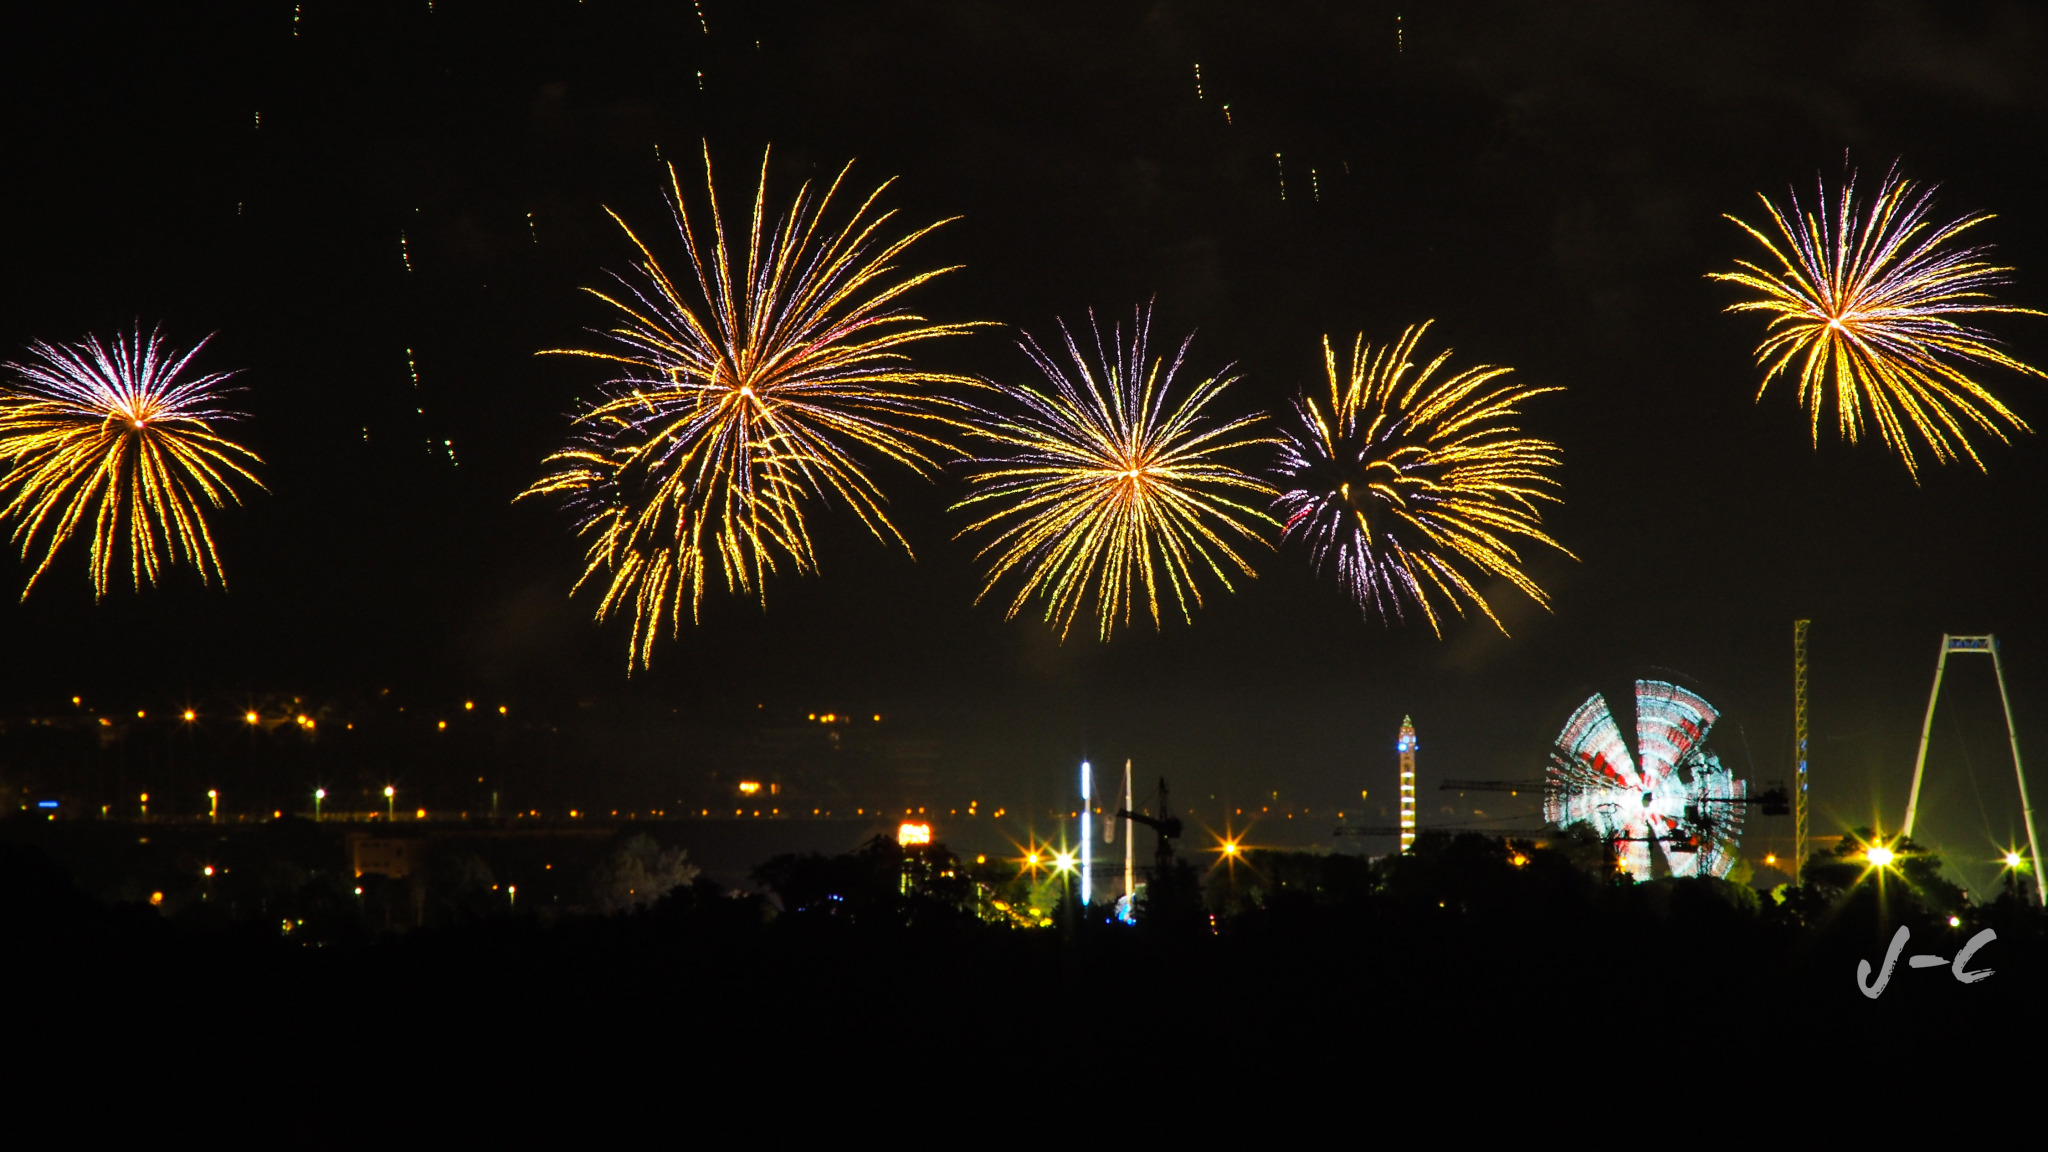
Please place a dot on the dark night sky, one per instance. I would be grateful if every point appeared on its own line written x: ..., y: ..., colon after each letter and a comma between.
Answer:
x: 1546, y: 181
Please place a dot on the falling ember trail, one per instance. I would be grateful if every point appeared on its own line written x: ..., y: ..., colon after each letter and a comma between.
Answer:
x: 405, y: 251
x: 1281, y: 165
x: 1198, y: 81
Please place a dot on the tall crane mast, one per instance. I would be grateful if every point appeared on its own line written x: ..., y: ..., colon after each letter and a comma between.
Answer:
x: 1799, y: 747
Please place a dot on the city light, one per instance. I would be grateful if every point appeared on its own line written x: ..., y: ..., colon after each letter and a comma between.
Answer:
x: 190, y: 715
x: 749, y: 787
x: 1879, y: 856
x: 249, y: 716
x: 1063, y: 862
x: 908, y: 834
x: 2014, y: 860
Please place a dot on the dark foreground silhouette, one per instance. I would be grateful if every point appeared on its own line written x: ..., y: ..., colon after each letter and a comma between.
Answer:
x: 1469, y: 961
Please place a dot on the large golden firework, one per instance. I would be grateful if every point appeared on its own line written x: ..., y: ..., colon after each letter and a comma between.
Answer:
x: 1107, y: 483
x: 109, y: 431
x: 1864, y: 302
x: 741, y: 397
x: 1405, y: 479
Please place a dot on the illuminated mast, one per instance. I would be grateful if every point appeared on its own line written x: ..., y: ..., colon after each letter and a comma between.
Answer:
x: 1087, y: 848
x: 1130, y: 842
x: 1406, y: 747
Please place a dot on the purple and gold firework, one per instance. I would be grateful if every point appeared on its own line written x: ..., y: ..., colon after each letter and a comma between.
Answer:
x: 1410, y: 483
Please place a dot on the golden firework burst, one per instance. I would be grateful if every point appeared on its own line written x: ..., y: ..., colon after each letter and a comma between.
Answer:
x: 742, y: 397
x: 1862, y: 306
x: 1106, y: 483
x: 111, y: 431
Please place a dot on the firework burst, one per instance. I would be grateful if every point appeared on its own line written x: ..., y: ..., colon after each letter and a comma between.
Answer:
x: 112, y: 434
x: 1107, y: 485
x: 741, y: 396
x: 1405, y: 481
x: 1862, y: 306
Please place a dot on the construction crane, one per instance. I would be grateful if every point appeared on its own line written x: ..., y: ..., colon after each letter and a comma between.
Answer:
x: 1798, y: 747
x: 1511, y: 787
x: 1389, y: 830
x: 1166, y: 824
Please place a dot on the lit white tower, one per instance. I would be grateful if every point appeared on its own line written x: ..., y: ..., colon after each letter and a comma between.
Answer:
x: 1087, y: 848
x: 1406, y: 747
x: 1130, y: 872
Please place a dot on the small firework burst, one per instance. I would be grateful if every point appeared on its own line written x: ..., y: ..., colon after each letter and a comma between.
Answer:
x: 115, y: 434
x: 1108, y: 484
x: 1862, y: 308
x: 1410, y: 482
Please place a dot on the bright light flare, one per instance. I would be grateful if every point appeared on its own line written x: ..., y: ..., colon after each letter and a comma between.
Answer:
x: 1862, y: 306
x: 1413, y: 484
x: 1106, y: 484
x: 116, y: 437
x: 2014, y: 860
x: 908, y: 833
x: 1065, y: 862
x: 1879, y: 856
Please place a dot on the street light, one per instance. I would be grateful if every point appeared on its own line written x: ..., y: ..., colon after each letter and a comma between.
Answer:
x: 1879, y: 855
x: 390, y: 802
x: 319, y: 794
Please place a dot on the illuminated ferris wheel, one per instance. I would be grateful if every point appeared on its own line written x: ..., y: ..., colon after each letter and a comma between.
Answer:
x: 1670, y: 790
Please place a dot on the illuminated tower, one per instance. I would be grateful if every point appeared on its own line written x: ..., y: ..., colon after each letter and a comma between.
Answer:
x: 1087, y: 848
x: 1406, y: 747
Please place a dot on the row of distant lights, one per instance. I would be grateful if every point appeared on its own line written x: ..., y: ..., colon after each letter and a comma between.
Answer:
x: 304, y: 721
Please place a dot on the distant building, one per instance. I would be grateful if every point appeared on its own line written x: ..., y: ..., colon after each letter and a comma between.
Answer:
x: 385, y: 855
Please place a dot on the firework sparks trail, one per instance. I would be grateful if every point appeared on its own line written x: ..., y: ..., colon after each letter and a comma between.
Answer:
x: 113, y: 434
x: 742, y: 396
x: 1410, y: 483
x: 1106, y: 483
x: 1863, y: 302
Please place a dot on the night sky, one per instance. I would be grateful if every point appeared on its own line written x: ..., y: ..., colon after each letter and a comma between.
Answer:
x: 1545, y: 181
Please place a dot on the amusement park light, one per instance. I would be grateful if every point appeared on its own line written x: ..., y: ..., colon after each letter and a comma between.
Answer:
x: 1064, y: 862
x: 2013, y: 860
x: 1879, y: 856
